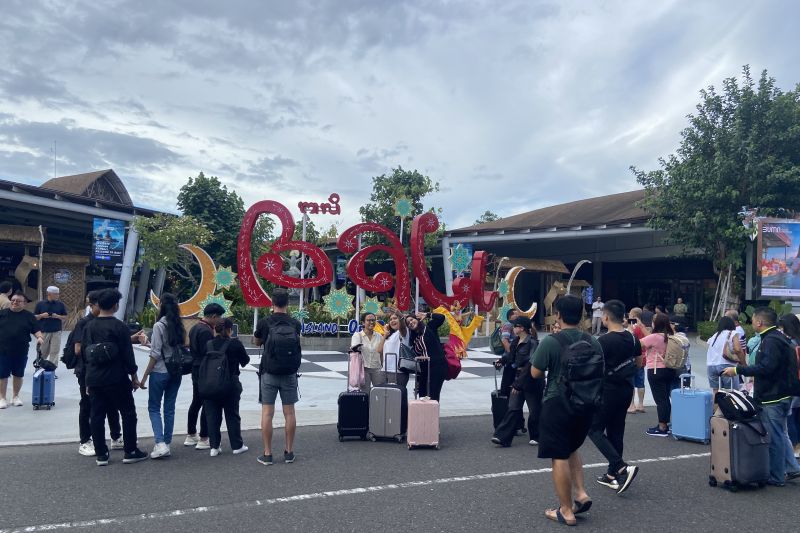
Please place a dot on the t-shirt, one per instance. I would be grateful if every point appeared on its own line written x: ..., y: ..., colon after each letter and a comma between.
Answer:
x: 680, y: 309
x: 77, y: 338
x: 392, y: 346
x: 655, y: 347
x: 547, y: 358
x: 716, y: 345
x: 56, y: 307
x: 199, y: 336
x: 618, y: 347
x: 16, y: 328
x: 369, y: 348
x: 111, y: 330
x: 597, y: 309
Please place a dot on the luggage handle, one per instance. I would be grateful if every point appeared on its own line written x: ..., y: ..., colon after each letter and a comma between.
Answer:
x: 691, y: 382
x: 396, y: 365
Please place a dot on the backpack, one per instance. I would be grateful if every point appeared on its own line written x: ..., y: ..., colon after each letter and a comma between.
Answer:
x: 582, y: 373
x: 68, y: 356
x: 214, y: 379
x: 178, y: 360
x: 735, y: 405
x: 282, y: 352
x: 495, y: 342
x: 675, y: 356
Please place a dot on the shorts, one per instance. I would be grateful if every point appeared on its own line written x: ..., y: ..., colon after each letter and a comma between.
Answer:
x: 272, y: 384
x: 715, y: 374
x: 638, y: 379
x: 13, y: 365
x: 561, y: 433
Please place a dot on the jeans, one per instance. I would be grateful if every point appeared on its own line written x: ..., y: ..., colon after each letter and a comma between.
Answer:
x: 194, y: 411
x: 661, y: 386
x: 84, y: 412
x: 715, y: 377
x: 230, y: 406
x: 608, y: 426
x: 162, y: 385
x: 120, y: 398
x: 781, y: 455
x: 793, y: 425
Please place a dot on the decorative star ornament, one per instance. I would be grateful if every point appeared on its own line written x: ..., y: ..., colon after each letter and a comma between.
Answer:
x: 224, y: 277
x: 503, y: 311
x: 301, y: 315
x: 502, y: 288
x: 460, y: 258
x: 403, y: 207
x: 217, y: 299
x: 338, y: 303
x: 371, y: 305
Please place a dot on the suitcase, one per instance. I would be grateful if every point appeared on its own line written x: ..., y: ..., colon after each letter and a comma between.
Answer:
x: 739, y: 453
x: 499, y: 404
x: 44, y: 390
x: 353, y: 417
x: 388, y: 411
x: 423, y: 421
x: 691, y: 412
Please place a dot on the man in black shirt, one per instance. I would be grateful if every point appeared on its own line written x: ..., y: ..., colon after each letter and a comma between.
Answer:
x: 109, y: 363
x: 623, y: 357
x: 199, y: 335
x: 16, y: 327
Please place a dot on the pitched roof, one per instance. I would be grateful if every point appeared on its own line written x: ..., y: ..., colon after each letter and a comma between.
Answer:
x: 86, y: 185
x: 613, y: 209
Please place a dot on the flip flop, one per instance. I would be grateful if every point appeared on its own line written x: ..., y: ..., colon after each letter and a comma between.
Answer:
x: 558, y: 517
x: 631, y: 411
x: 581, y: 507
x: 641, y: 410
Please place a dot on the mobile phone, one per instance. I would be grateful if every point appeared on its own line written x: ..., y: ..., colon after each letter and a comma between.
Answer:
x: 633, y: 320
x: 235, y: 331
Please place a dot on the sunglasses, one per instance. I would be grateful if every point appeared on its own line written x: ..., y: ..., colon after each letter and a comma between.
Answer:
x: 17, y: 301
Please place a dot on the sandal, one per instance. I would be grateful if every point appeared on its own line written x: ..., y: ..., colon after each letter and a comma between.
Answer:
x: 556, y: 516
x: 632, y: 411
x: 581, y: 507
x: 640, y: 410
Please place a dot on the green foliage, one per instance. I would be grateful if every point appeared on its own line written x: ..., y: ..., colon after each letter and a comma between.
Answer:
x: 316, y: 312
x: 160, y: 236
x: 741, y: 148
x: 487, y: 216
x: 147, y: 317
x: 444, y: 330
x: 243, y: 316
x: 705, y: 329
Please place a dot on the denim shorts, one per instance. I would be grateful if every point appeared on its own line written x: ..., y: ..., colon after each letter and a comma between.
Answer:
x: 638, y: 379
x: 715, y: 374
x: 272, y: 384
x: 13, y: 365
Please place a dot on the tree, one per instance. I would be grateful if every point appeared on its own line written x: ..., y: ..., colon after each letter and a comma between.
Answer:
x: 741, y: 148
x: 487, y: 216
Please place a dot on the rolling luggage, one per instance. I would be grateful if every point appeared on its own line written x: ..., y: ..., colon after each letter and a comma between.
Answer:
x: 739, y: 453
x: 44, y: 389
x: 691, y: 412
x: 423, y: 421
x: 388, y: 410
x: 353, y: 417
x: 499, y: 404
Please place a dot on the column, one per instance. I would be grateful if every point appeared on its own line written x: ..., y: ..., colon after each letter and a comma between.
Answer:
x: 448, y: 268
x: 128, y: 259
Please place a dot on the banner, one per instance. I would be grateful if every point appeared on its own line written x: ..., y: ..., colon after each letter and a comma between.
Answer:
x: 778, y: 273
x: 108, y: 240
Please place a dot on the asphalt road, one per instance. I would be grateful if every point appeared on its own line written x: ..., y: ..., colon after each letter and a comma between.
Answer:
x: 467, y: 485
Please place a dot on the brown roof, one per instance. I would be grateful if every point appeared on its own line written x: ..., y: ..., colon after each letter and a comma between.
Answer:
x: 614, y: 209
x: 81, y: 184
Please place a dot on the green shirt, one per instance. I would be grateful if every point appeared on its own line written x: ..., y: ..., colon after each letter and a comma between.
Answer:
x: 547, y: 358
x: 680, y: 309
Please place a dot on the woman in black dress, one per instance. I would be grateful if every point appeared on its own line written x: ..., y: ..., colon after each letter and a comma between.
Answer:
x: 430, y: 353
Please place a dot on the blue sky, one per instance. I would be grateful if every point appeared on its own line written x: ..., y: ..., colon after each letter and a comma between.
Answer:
x: 511, y: 106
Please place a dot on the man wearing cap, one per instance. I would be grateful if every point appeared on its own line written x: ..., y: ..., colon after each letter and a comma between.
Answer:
x: 50, y: 313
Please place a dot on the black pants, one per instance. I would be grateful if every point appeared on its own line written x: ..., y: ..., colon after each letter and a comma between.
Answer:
x: 509, y: 375
x: 84, y: 414
x: 438, y: 375
x: 508, y: 426
x: 661, y: 382
x: 608, y: 425
x: 195, y: 411
x: 213, y: 410
x: 118, y: 397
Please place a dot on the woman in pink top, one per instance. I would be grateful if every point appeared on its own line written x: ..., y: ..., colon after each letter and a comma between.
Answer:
x: 659, y: 377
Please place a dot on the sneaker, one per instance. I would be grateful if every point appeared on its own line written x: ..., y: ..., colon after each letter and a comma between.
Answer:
x: 203, y: 444
x: 608, y: 481
x: 533, y: 442
x: 791, y: 476
x: 3, y: 403
x: 265, y: 459
x: 134, y: 457
x: 102, y: 460
x: 288, y: 457
x: 160, y: 450
x: 495, y: 440
x: 117, y: 444
x: 521, y: 431
x: 243, y: 449
x: 215, y: 452
x: 87, y: 449
x: 16, y: 402
x: 191, y: 440
x: 626, y: 478
x: 656, y: 431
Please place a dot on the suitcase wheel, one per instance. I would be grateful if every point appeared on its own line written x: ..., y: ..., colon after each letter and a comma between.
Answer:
x: 712, y: 481
x: 399, y: 438
x: 762, y: 484
x: 341, y: 438
x: 35, y: 407
x: 372, y: 437
x: 436, y: 447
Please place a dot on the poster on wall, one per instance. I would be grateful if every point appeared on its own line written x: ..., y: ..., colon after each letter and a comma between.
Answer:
x: 779, y: 258
x: 108, y: 240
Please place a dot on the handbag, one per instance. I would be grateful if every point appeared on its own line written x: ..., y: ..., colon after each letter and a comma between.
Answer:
x: 408, y: 360
x: 728, y: 347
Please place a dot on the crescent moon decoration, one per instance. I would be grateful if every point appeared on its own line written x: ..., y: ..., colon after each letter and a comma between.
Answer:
x: 511, y: 279
x: 194, y: 305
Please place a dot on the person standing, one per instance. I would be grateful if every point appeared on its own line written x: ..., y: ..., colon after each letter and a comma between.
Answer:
x: 168, y: 336
x: 723, y: 351
x: 111, y: 377
x: 6, y: 289
x: 638, y: 330
x: 659, y: 376
x: 562, y: 431
x: 16, y: 327
x: 679, y: 310
x: 279, y: 334
x: 396, y: 335
x: 199, y: 336
x: 597, y: 316
x: 623, y: 357
x: 430, y: 353
x: 51, y: 313
x: 370, y: 343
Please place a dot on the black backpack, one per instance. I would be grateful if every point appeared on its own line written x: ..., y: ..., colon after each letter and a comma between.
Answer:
x: 68, y: 356
x: 178, y: 360
x: 214, y: 379
x: 582, y: 371
x: 282, y: 353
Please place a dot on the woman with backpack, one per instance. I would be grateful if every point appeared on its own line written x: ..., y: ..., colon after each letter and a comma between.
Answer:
x: 168, y: 336
x: 228, y: 402
x: 724, y: 351
x: 660, y: 378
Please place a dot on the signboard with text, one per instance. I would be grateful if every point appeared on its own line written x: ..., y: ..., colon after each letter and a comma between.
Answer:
x: 108, y: 240
x: 778, y: 273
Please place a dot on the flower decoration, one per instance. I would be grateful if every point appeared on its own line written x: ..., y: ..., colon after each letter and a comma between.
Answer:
x: 301, y: 315
x: 403, y: 207
x: 502, y: 288
x: 338, y: 303
x: 217, y: 299
x: 371, y: 305
x: 224, y: 277
x: 460, y: 258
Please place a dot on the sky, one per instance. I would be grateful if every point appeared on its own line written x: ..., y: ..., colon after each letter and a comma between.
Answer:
x: 510, y: 106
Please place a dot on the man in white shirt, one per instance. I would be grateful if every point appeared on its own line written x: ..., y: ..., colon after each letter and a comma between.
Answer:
x: 597, y: 316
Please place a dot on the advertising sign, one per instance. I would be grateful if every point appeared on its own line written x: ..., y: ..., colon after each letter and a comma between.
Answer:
x: 109, y: 240
x: 779, y: 258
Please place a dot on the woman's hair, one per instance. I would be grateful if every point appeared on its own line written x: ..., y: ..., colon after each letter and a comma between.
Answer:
x: 661, y: 325
x: 726, y: 323
x: 223, y: 326
x: 169, y: 308
x: 401, y: 319
x: 790, y: 325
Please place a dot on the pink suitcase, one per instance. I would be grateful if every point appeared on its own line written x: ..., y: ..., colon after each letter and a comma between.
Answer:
x: 423, y: 422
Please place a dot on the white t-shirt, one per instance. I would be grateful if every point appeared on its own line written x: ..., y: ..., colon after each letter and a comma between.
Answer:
x: 391, y: 347
x: 597, y: 310
x: 714, y: 354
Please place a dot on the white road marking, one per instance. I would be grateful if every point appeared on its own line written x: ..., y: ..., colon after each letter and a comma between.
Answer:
x: 118, y: 521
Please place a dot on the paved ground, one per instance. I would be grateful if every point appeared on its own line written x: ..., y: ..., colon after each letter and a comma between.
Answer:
x: 468, y: 485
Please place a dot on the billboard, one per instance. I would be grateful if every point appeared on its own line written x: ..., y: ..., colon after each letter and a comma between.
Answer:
x: 779, y: 258
x: 108, y: 240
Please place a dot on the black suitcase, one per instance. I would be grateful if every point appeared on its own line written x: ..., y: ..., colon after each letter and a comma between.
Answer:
x: 353, y: 419
x: 499, y: 404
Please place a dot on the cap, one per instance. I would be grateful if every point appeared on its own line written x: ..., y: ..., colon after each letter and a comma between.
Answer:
x: 53, y: 289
